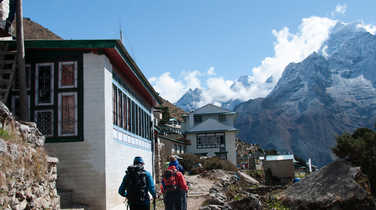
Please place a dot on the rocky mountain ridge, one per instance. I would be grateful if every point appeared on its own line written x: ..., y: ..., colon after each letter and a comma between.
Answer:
x: 328, y: 93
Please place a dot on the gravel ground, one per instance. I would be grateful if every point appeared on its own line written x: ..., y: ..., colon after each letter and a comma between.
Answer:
x: 197, y: 194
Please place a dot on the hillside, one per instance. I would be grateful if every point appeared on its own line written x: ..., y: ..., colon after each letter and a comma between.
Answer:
x: 33, y: 30
x: 174, y: 111
x: 326, y: 94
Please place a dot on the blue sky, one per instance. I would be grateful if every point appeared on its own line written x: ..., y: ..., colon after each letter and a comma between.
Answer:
x: 187, y: 38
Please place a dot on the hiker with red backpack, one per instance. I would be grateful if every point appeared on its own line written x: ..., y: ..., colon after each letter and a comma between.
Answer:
x: 174, y: 189
x: 136, y: 185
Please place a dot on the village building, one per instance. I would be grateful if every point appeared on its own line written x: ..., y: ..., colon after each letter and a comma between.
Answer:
x: 95, y: 107
x: 169, y: 142
x: 279, y: 169
x: 210, y: 130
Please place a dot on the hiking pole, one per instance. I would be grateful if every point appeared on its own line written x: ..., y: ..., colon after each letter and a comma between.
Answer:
x: 154, y: 203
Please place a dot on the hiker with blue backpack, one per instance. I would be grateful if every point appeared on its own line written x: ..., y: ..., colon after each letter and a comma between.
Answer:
x: 136, y: 185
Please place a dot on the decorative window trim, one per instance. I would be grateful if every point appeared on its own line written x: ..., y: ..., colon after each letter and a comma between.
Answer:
x: 52, y: 119
x: 75, y: 74
x: 37, y: 82
x: 60, y: 123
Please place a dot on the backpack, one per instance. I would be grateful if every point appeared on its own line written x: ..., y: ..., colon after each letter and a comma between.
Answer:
x: 170, y: 180
x: 137, y: 191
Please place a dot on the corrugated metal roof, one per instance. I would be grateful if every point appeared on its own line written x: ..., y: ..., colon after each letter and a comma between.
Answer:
x: 279, y: 157
x: 211, y: 125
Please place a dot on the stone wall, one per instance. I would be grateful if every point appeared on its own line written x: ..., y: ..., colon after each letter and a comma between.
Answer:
x: 28, y: 176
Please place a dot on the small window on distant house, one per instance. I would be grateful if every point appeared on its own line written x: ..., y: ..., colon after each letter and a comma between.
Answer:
x: 221, y: 117
x: 197, y: 119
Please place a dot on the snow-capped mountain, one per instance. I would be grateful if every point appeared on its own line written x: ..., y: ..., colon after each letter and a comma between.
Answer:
x: 188, y: 102
x: 328, y: 93
x: 192, y: 98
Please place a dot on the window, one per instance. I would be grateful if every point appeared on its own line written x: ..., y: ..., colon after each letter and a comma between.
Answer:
x: 114, y: 104
x: 210, y: 140
x: 57, y: 118
x: 197, y: 119
x: 120, y: 108
x: 125, y: 111
x: 44, y: 85
x: 221, y: 117
x: 129, y: 115
x: 44, y: 120
x: 67, y: 74
x: 67, y: 114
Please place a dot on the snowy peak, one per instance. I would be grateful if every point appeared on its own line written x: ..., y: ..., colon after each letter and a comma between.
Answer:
x: 341, y: 34
x: 189, y: 100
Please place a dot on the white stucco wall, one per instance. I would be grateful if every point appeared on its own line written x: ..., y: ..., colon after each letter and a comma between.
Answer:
x: 81, y: 165
x: 121, y: 148
x: 230, y: 146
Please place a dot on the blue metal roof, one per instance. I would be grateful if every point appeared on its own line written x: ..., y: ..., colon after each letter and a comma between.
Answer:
x: 279, y: 157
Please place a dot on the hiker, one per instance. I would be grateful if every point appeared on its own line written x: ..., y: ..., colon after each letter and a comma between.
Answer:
x: 174, y: 189
x: 136, y: 184
x: 175, y: 162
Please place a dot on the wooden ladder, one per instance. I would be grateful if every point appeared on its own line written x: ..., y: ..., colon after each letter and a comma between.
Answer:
x: 8, y: 60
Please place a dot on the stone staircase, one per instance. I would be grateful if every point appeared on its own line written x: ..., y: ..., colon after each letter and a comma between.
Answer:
x: 7, y: 71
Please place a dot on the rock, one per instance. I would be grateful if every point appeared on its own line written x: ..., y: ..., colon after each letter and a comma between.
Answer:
x: 248, y: 178
x: 332, y: 187
x: 252, y: 202
x: 3, y: 146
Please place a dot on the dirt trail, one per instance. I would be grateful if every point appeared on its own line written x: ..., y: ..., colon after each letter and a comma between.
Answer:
x: 198, y: 191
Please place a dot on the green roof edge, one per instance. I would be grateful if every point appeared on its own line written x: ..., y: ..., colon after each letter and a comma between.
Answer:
x: 91, y: 44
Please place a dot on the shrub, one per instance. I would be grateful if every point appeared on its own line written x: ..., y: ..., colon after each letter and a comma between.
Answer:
x: 190, y: 162
x: 217, y: 163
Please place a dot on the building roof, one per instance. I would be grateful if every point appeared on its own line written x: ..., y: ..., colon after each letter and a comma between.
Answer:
x: 211, y: 125
x: 279, y: 157
x: 211, y: 109
x: 114, y: 49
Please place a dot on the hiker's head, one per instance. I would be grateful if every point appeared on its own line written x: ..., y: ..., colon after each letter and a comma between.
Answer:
x: 138, y: 160
x: 172, y: 158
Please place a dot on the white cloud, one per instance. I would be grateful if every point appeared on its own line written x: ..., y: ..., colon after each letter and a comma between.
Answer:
x: 340, y: 9
x: 168, y: 87
x: 291, y: 47
x: 211, y: 71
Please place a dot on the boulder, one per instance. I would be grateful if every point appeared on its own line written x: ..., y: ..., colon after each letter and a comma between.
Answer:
x: 332, y: 187
x: 252, y: 202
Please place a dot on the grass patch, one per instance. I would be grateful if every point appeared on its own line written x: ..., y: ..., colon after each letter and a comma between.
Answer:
x: 276, y: 205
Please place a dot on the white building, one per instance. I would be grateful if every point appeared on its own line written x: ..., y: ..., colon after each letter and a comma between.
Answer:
x: 95, y: 107
x: 211, y: 132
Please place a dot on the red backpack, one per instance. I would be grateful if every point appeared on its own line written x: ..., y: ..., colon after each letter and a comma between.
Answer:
x: 170, y: 180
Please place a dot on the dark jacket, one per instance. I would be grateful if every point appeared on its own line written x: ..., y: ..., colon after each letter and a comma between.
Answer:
x: 150, y: 186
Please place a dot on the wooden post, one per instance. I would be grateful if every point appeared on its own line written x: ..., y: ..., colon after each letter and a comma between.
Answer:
x: 21, y: 75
